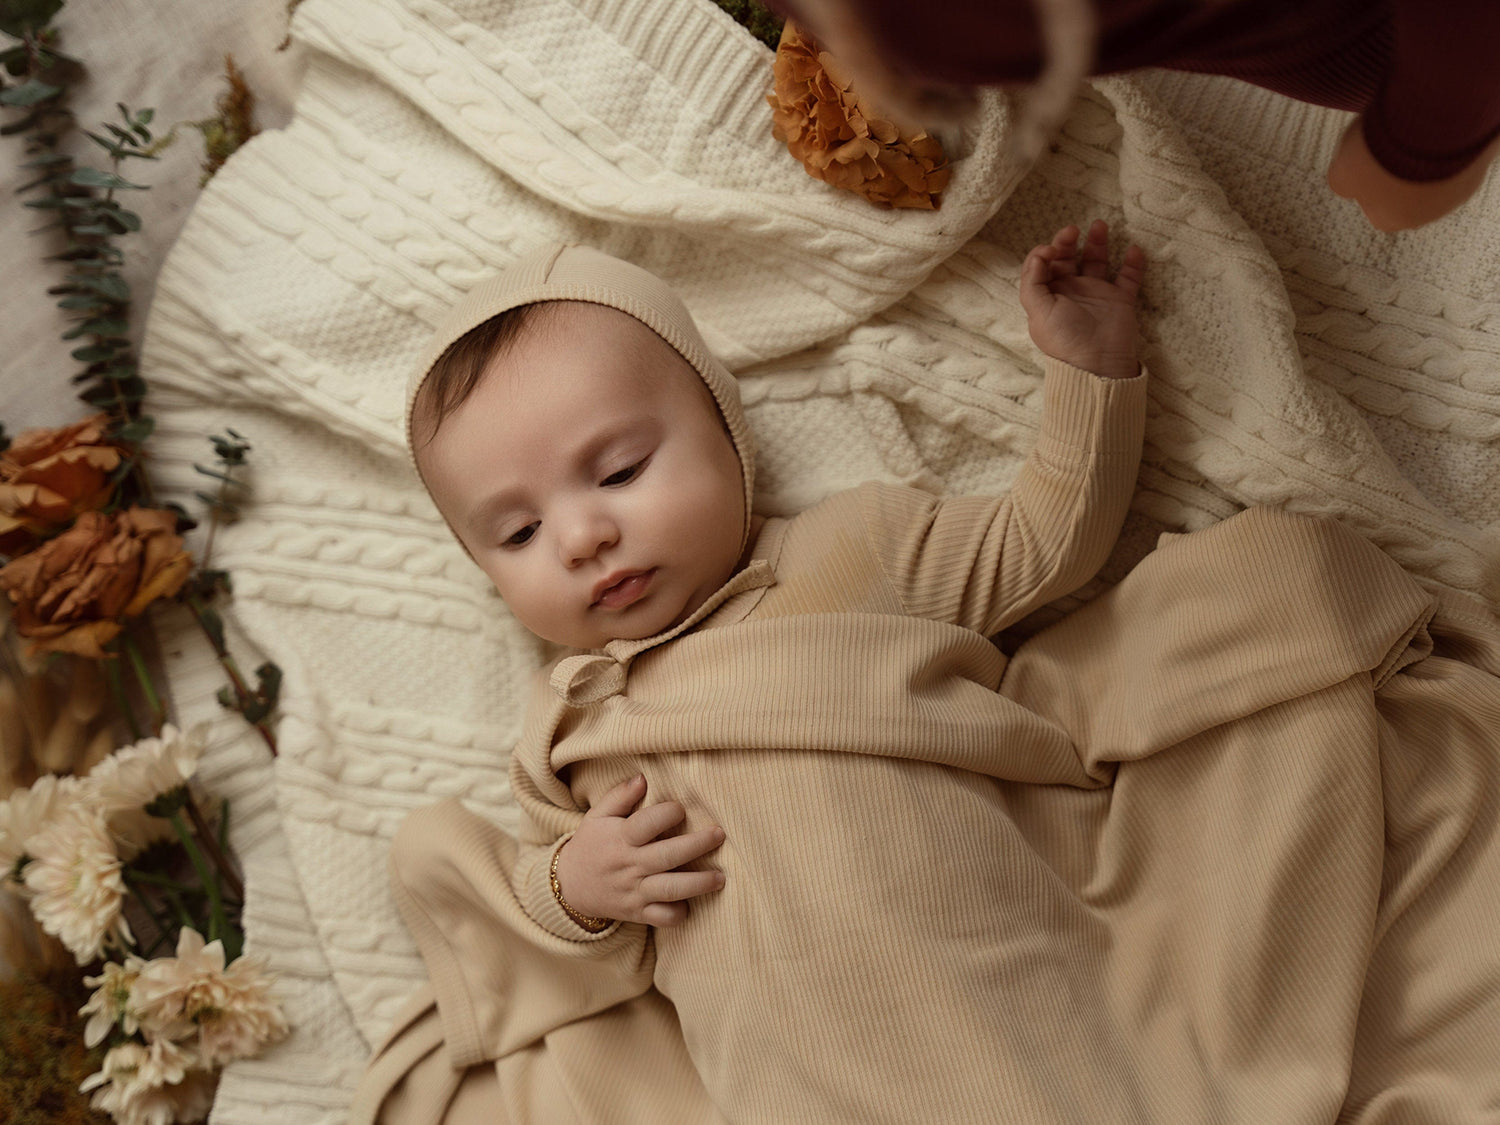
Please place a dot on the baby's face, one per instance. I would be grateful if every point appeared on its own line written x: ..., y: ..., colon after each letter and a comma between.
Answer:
x: 591, y: 478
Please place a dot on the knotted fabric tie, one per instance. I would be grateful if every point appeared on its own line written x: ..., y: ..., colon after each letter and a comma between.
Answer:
x: 591, y: 677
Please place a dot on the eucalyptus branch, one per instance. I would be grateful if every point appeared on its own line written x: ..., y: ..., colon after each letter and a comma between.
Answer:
x: 93, y: 289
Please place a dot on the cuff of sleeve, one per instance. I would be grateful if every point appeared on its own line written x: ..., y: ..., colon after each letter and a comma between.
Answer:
x: 542, y: 905
x: 1407, y: 162
x: 1084, y: 411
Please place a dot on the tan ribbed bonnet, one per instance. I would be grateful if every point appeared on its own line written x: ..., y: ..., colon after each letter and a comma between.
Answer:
x: 581, y: 273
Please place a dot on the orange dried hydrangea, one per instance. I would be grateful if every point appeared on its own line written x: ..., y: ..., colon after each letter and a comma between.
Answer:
x: 49, y: 476
x: 71, y: 593
x: 844, y: 140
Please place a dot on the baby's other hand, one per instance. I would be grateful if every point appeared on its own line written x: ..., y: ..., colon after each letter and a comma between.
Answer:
x: 620, y: 865
x: 1073, y: 309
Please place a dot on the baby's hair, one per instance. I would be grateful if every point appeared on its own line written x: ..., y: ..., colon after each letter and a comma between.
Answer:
x: 456, y: 372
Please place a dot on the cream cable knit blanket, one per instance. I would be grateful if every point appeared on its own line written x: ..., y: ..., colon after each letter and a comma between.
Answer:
x: 1298, y: 359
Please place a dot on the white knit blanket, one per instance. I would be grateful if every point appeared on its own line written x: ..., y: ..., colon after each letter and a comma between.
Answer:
x: 1297, y: 357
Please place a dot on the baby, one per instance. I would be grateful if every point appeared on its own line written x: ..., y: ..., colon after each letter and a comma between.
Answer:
x: 801, y: 689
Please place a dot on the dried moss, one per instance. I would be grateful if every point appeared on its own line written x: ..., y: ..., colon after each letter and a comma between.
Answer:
x: 234, y: 125
x: 755, y: 18
x: 42, y: 1056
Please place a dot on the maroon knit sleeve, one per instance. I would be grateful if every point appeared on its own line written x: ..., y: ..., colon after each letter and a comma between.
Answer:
x: 1440, y: 103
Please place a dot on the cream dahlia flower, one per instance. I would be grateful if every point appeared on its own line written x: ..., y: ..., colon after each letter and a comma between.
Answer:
x: 151, y: 1084
x: 231, y: 1010
x: 75, y: 882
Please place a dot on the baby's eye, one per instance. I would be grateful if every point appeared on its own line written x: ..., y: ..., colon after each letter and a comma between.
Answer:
x: 623, y: 475
x: 520, y: 538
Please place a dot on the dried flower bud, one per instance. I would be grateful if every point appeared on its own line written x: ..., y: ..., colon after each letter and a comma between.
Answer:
x: 71, y: 593
x: 844, y: 140
x: 48, y: 477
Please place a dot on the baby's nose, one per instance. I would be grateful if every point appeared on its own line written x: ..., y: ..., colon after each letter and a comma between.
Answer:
x: 587, y: 534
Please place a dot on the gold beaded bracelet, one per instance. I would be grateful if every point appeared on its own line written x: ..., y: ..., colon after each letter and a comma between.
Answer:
x: 592, y: 925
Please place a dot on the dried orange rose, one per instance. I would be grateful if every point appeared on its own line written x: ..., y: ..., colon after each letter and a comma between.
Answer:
x: 71, y: 593
x: 47, y: 477
x: 841, y: 138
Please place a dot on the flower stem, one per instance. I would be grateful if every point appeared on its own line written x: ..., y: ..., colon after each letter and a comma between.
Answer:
x: 211, y: 846
x: 117, y: 689
x: 219, y: 926
x: 143, y: 677
x: 231, y: 669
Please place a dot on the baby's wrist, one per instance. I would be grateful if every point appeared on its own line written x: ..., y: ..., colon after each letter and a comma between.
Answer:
x: 1106, y: 367
x: 585, y: 922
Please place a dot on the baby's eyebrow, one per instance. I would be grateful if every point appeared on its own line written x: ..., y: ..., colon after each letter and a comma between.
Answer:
x: 585, y: 454
x: 489, y: 509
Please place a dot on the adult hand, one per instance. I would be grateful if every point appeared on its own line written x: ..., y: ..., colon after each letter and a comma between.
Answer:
x: 1389, y: 202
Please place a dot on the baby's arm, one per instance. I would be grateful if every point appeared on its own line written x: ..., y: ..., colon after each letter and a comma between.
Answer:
x: 984, y: 562
x: 618, y: 865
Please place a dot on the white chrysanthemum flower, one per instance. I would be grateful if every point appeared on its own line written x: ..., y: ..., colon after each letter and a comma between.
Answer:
x: 110, y: 1004
x: 25, y: 813
x: 231, y: 1009
x: 75, y: 882
x: 132, y: 777
x: 151, y: 1084
x: 135, y: 775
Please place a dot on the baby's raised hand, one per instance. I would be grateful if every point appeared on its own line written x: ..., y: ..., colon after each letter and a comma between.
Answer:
x: 1073, y: 309
x: 619, y: 865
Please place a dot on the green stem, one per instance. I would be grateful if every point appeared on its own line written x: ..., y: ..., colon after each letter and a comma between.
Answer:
x: 211, y: 846
x: 219, y: 927
x: 155, y: 880
x: 232, y: 670
x: 117, y: 689
x: 143, y: 677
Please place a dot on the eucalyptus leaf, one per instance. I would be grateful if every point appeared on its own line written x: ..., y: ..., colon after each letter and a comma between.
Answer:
x: 47, y: 160
x: 109, y: 286
x: 137, y: 431
x: 84, y: 302
x: 11, y: 128
x: 107, y: 328
x: 21, y: 17
x: 105, y: 143
x: 94, y: 353
x: 94, y: 177
x: 123, y: 221
x: 29, y: 93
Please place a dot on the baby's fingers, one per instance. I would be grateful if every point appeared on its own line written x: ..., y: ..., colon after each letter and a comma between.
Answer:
x: 1132, y: 270
x: 1096, y: 250
x: 621, y: 799
x: 1036, y: 278
x: 673, y: 852
x: 645, y: 825
x: 678, y: 886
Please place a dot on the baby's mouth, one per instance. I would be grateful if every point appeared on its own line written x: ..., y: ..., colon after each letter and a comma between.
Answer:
x: 624, y: 590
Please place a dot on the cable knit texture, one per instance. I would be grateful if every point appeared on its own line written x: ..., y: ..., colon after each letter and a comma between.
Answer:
x: 1298, y: 359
